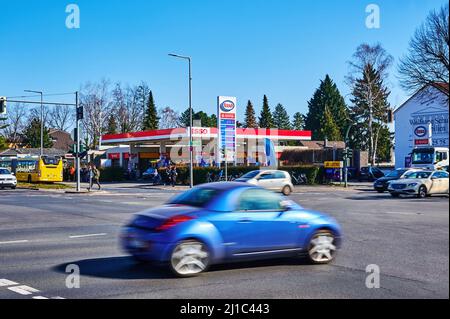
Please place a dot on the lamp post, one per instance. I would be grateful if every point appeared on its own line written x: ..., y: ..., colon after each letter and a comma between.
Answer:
x: 42, y: 118
x: 191, y: 169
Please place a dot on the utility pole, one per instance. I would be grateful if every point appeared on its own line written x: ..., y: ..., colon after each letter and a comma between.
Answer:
x: 42, y: 118
x: 346, y: 156
x: 77, y: 154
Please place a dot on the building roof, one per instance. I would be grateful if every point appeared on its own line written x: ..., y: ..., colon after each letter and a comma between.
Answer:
x: 441, y: 86
x: 61, y: 139
x: 32, y: 152
x: 320, y: 145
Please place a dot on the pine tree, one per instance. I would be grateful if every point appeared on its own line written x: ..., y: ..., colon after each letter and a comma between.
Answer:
x: 299, y: 121
x: 281, y: 118
x: 185, y: 118
x: 111, y: 127
x: 250, y: 117
x: 266, y: 119
x: 328, y: 127
x: 326, y: 95
x: 151, y: 119
x: 33, y: 135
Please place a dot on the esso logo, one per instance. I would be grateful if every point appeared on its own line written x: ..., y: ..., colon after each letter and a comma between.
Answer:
x: 200, y: 131
x: 227, y: 106
x: 420, y: 131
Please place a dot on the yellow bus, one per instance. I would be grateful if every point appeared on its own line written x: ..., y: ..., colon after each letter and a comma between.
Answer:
x: 35, y: 169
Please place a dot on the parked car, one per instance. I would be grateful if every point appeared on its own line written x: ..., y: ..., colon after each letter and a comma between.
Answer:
x: 381, y: 184
x: 7, y: 179
x: 229, y: 221
x: 421, y: 183
x: 279, y: 181
x: 370, y: 174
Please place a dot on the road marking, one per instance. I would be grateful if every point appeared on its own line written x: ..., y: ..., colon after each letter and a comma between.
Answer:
x: 6, y: 282
x: 88, y: 235
x: 13, y: 242
x: 23, y: 290
x: 40, y: 297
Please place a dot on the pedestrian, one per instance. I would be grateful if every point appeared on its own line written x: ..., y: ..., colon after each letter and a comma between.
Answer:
x: 173, y: 175
x: 72, y: 174
x: 94, y: 175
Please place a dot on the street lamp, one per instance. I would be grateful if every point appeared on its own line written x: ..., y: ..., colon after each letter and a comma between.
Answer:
x: 191, y: 170
x: 42, y: 118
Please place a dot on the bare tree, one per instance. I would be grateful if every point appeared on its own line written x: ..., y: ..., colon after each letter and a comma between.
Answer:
x: 428, y: 59
x: 62, y: 117
x: 15, y: 123
x: 169, y: 118
x: 368, y: 72
x: 95, y: 98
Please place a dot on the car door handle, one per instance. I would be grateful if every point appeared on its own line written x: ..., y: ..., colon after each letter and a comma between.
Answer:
x: 244, y: 221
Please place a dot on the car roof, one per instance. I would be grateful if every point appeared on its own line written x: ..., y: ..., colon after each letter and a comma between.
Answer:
x: 224, y: 186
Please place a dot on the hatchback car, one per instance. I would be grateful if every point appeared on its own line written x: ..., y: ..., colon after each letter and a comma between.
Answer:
x: 421, y: 184
x: 279, y: 181
x: 370, y: 174
x: 7, y: 179
x: 229, y: 221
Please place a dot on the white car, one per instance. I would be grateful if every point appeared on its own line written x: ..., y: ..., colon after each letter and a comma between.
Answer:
x: 420, y: 184
x: 7, y: 179
x: 279, y: 181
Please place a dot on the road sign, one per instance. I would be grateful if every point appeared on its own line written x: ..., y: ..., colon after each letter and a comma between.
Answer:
x: 334, y: 164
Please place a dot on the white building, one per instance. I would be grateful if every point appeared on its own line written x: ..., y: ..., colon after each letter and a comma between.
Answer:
x: 428, y: 105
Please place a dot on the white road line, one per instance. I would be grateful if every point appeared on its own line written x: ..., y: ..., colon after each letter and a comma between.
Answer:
x: 88, y: 235
x: 13, y: 242
x: 39, y: 297
x: 23, y: 290
x: 6, y: 282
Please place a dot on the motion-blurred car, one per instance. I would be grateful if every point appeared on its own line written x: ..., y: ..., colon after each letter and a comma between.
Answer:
x: 381, y: 184
x: 7, y: 179
x: 421, y: 184
x: 229, y: 221
x: 279, y: 181
x: 370, y: 174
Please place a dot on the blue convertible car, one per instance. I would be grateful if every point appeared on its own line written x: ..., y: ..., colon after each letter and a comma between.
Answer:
x: 221, y: 222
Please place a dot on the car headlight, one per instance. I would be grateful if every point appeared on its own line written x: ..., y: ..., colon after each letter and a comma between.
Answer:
x: 412, y: 185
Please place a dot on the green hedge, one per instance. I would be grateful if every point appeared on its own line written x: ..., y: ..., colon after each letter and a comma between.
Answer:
x: 112, y: 174
x: 313, y: 173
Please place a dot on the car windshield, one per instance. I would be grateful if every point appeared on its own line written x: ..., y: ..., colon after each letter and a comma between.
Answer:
x: 418, y: 175
x: 424, y: 156
x: 197, y: 197
x: 4, y: 171
x: 250, y: 175
x: 396, y: 173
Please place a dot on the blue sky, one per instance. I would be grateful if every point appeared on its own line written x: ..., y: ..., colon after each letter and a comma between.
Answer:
x: 281, y: 48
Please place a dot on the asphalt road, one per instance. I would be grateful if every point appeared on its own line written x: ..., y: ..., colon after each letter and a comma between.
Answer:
x: 41, y: 233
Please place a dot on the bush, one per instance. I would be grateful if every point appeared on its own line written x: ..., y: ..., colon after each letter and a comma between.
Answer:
x: 112, y: 174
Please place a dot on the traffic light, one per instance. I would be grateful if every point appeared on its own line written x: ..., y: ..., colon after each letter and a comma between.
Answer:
x: 349, y: 153
x: 80, y: 113
x: 2, y: 105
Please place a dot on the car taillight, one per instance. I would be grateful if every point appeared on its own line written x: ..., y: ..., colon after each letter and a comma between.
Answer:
x: 173, y: 221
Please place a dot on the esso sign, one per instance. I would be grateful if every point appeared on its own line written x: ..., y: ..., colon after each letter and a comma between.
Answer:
x: 200, y: 131
x: 227, y: 106
x: 421, y: 131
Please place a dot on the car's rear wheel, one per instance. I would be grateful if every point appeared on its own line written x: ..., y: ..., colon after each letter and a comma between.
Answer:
x: 286, y: 190
x: 189, y: 258
x: 422, y: 192
x: 321, y: 248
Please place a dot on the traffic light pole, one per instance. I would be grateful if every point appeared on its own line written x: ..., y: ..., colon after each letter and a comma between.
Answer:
x: 77, y: 154
x: 346, y: 156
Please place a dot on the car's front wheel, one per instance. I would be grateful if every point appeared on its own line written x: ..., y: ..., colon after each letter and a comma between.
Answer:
x: 422, y: 193
x: 189, y: 258
x: 321, y: 248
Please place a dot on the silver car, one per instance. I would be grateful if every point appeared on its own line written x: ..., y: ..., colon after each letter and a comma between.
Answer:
x: 421, y: 184
x: 279, y: 181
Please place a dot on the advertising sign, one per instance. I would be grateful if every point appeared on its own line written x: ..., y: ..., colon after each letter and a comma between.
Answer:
x: 423, y: 135
x: 334, y: 164
x: 226, y: 125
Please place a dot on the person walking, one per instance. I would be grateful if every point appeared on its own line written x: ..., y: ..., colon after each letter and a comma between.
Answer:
x: 173, y: 175
x: 94, y: 175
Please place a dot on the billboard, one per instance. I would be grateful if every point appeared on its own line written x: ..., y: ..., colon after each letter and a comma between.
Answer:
x: 423, y: 135
x: 226, y: 125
